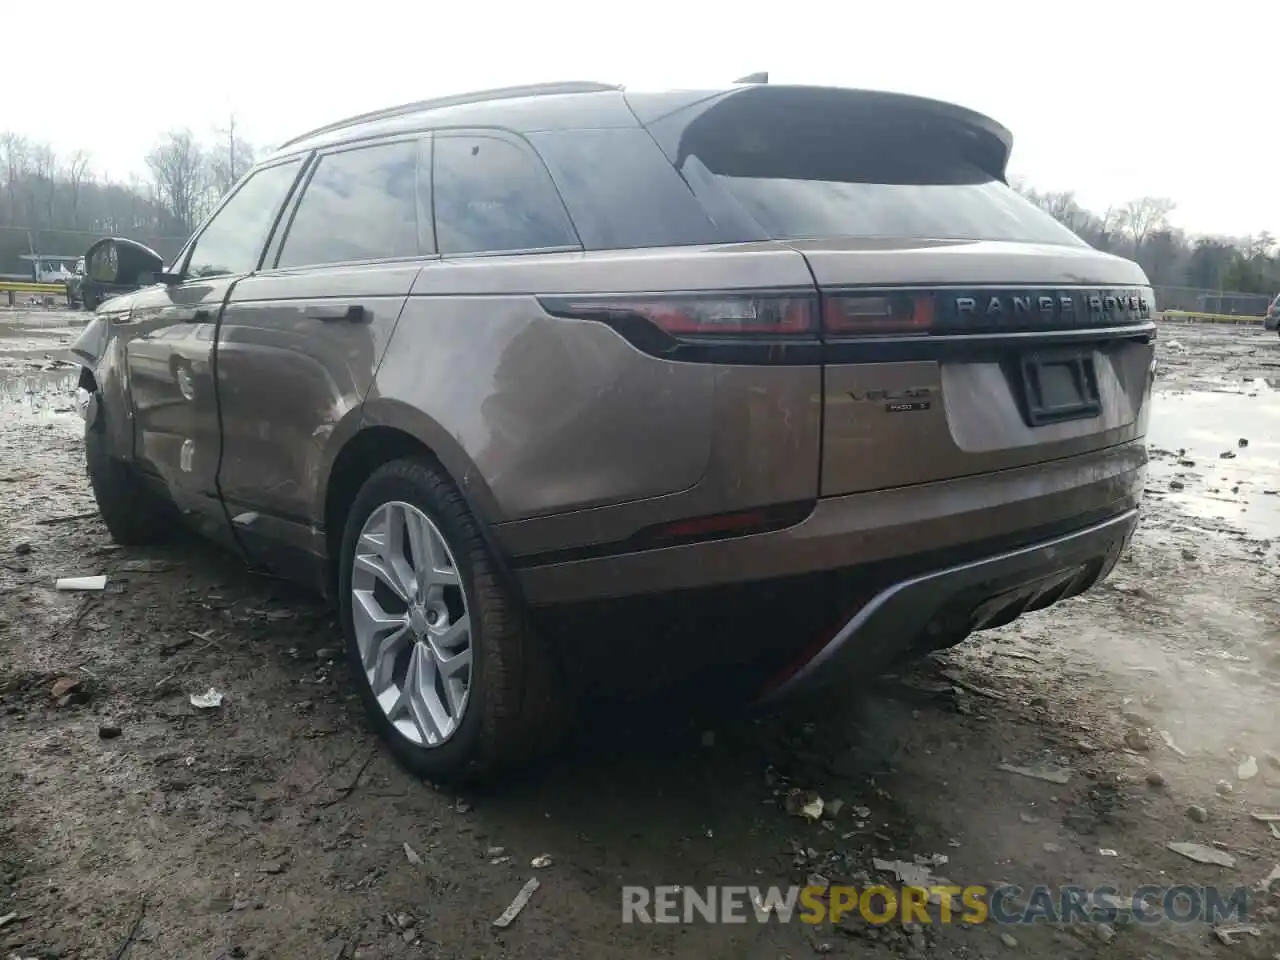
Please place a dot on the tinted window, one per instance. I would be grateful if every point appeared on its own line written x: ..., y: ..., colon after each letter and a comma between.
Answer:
x: 819, y: 173
x: 358, y: 205
x: 621, y: 190
x: 492, y: 196
x: 233, y: 240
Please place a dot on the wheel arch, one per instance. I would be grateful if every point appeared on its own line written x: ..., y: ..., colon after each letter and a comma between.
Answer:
x: 384, y: 431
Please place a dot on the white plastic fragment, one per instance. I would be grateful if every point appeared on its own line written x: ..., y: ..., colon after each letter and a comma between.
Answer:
x: 209, y: 700
x: 98, y: 582
x: 1046, y: 772
x: 508, y: 916
x: 1202, y: 854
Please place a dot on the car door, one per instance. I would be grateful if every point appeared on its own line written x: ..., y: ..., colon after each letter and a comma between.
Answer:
x: 170, y: 352
x: 299, y: 342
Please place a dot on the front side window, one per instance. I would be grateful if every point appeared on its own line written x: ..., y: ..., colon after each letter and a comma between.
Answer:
x: 491, y: 196
x: 232, y: 242
x: 359, y: 205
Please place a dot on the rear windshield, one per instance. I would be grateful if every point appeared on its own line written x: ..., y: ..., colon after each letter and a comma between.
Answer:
x: 803, y: 177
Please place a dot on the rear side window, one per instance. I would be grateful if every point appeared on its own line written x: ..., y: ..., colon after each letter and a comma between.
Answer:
x: 492, y: 196
x: 819, y: 172
x: 621, y: 190
x: 358, y: 205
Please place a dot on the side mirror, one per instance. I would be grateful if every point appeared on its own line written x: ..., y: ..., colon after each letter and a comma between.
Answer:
x: 122, y: 262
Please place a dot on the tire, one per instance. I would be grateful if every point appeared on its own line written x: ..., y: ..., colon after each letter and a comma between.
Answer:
x: 134, y: 516
x: 514, y: 706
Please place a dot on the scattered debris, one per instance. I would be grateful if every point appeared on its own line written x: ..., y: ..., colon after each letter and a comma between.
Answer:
x: 1155, y: 778
x: 804, y: 803
x: 1176, y: 484
x: 1227, y: 455
x: 1202, y: 854
x: 1105, y: 932
x: 50, y: 521
x: 1167, y: 737
x: 831, y: 809
x: 541, y: 861
x: 412, y: 855
x: 493, y: 852
x: 23, y: 547
x: 1107, y: 852
x: 109, y: 731
x: 1242, y: 442
x: 211, y: 699
x: 1224, y: 787
x: 1227, y: 934
x: 7, y: 919
x: 1198, y: 813
x: 911, y: 874
x: 273, y: 867
x: 508, y: 916
x: 1248, y: 768
x: 98, y: 582
x: 1265, y: 817
x: 1046, y: 772
x: 862, y: 813
x: 1138, y: 740
x: 1008, y: 940
x: 1272, y: 879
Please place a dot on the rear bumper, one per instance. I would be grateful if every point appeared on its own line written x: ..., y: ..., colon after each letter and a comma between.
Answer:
x: 867, y: 529
x: 968, y: 596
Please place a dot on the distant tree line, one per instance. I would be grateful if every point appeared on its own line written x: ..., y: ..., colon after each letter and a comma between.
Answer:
x: 57, y: 205
x: 1171, y: 257
x: 53, y: 204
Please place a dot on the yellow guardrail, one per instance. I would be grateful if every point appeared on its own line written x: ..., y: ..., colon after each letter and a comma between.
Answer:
x: 19, y: 286
x: 1194, y: 316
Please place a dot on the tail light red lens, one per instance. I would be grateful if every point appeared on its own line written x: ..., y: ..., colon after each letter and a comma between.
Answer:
x: 878, y: 314
x: 698, y: 315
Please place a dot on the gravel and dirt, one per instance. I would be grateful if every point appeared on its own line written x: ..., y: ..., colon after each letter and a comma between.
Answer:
x: 134, y: 824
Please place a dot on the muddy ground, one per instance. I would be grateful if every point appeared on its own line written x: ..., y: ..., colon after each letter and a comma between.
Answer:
x: 275, y: 827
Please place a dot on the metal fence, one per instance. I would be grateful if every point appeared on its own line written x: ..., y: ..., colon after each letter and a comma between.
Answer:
x: 1223, y: 302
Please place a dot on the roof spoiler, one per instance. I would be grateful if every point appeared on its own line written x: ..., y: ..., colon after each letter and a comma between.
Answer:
x: 993, y: 142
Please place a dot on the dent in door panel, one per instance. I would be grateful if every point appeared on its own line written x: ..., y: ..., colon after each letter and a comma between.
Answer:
x: 310, y: 374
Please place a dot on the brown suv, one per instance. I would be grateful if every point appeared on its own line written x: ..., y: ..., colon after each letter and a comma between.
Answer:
x: 782, y: 380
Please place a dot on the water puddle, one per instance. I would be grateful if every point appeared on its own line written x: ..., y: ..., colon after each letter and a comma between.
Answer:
x: 1241, y: 488
x: 42, y: 395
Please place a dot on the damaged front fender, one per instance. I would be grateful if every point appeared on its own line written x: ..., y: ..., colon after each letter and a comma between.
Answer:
x: 91, y: 343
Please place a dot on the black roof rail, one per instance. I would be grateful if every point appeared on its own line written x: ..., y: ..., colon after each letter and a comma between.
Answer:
x: 479, y: 96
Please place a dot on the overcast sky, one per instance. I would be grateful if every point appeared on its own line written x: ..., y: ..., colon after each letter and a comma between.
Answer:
x: 1112, y: 99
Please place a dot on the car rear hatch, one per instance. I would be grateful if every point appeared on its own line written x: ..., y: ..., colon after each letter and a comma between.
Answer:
x: 964, y: 329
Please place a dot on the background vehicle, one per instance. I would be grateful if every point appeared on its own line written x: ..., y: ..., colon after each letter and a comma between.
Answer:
x: 499, y: 369
x: 1272, y: 320
x: 75, y: 285
x: 48, y: 269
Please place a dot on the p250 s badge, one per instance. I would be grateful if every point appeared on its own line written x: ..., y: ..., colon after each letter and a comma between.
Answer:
x: 907, y: 400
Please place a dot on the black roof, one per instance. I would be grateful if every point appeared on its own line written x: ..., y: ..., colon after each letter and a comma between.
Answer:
x: 591, y: 105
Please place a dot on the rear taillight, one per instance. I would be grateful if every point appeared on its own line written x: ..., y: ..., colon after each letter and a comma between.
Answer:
x: 877, y: 314
x: 698, y: 315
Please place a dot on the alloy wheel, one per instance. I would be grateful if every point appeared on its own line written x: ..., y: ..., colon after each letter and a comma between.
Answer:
x: 412, y: 623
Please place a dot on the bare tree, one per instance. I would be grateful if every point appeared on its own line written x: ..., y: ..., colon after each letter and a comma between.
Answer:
x: 75, y: 173
x: 1141, y: 217
x: 178, y: 173
x: 44, y: 167
x: 229, y: 158
x: 15, y: 154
